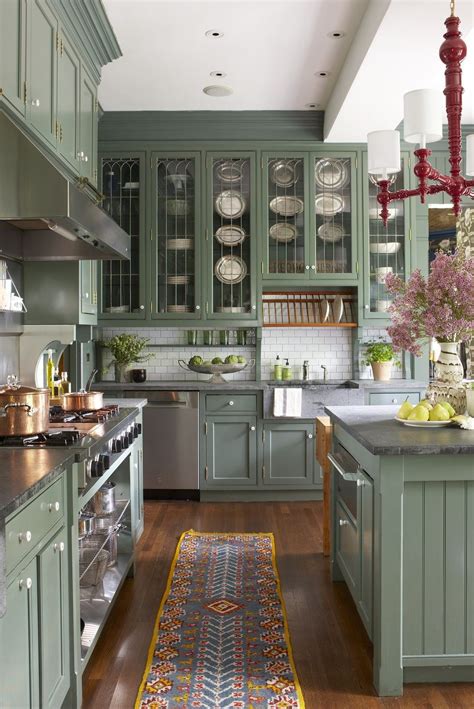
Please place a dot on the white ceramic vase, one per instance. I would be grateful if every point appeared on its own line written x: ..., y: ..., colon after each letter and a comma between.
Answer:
x: 448, y: 367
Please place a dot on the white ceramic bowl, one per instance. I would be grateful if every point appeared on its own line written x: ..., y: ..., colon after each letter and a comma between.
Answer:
x: 374, y: 212
x: 382, y: 272
x: 391, y: 247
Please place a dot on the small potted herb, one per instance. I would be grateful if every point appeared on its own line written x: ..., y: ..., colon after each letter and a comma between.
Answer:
x: 126, y: 350
x: 381, y: 357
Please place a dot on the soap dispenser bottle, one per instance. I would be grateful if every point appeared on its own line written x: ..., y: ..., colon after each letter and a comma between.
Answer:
x: 287, y: 373
x: 277, y: 369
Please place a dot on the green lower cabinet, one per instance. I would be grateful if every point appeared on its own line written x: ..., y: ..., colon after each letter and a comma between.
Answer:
x: 347, y: 548
x: 19, y: 676
x: 231, y: 451
x: 288, y: 454
x: 54, y: 621
x: 393, y: 397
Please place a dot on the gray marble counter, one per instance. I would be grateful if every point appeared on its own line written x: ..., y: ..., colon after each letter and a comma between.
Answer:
x: 316, y: 384
x: 24, y: 473
x: 126, y: 403
x: 374, y: 427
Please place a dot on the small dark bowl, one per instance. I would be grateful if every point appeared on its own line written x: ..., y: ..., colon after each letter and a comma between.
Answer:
x: 138, y: 375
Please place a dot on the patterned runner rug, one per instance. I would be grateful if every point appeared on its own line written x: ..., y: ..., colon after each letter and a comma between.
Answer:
x: 221, y: 637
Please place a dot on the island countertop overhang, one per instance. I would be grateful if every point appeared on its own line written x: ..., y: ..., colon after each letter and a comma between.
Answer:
x: 375, y: 428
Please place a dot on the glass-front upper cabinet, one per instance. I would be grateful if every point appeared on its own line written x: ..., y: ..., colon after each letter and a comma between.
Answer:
x: 231, y: 236
x: 285, y: 198
x: 387, y: 246
x: 176, y: 236
x: 334, y: 231
x: 122, y: 282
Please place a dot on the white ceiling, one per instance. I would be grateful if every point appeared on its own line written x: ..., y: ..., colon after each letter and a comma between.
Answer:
x: 271, y: 50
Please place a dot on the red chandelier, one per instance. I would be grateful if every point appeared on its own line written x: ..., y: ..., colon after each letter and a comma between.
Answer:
x: 422, y: 124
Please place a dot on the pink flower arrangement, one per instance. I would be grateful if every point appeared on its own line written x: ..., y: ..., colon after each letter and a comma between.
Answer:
x: 441, y: 306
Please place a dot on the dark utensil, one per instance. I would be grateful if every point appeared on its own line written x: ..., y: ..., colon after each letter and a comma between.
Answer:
x: 139, y: 375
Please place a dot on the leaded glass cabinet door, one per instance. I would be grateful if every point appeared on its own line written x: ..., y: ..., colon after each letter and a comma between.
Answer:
x: 123, y: 282
x: 285, y: 196
x: 387, y: 246
x: 334, y: 225
x: 176, y: 236
x: 231, y: 236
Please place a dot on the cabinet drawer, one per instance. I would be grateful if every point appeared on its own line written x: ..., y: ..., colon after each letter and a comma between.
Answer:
x: 231, y: 404
x: 347, y: 548
x: 394, y: 397
x: 33, y: 522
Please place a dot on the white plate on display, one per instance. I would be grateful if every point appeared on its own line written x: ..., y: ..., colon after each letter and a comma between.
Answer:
x: 330, y: 173
x: 424, y: 424
x: 229, y: 171
x: 338, y: 308
x: 230, y: 269
x: 328, y: 204
x: 330, y: 232
x: 283, y: 174
x: 325, y: 310
x: 230, y: 235
x: 230, y: 204
x: 389, y: 247
x: 283, y: 231
x: 287, y: 206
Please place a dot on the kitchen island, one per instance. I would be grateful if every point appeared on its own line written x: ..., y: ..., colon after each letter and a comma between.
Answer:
x: 403, y: 541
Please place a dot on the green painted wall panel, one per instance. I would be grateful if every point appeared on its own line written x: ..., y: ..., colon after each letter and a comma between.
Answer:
x: 432, y: 512
x: 470, y: 567
x: 455, y: 566
x: 413, y: 569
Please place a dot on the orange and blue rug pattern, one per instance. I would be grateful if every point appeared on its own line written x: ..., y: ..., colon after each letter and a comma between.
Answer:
x: 221, y: 637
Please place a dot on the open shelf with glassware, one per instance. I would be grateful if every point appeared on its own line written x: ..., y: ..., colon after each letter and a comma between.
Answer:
x: 10, y: 298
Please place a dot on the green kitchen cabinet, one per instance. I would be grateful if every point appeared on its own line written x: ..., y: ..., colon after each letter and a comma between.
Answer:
x: 387, y: 248
x: 60, y: 292
x: 122, y: 283
x: 19, y: 658
x: 288, y: 453
x: 231, y: 451
x: 13, y: 53
x: 286, y: 206
x: 88, y: 126
x: 176, y: 233
x: 310, y: 217
x: 54, y: 620
x: 136, y: 487
x: 68, y: 116
x: 231, y: 236
x: 42, y: 70
x: 393, y: 397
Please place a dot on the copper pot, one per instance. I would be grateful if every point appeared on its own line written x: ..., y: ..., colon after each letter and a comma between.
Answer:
x: 24, y: 411
x: 82, y: 401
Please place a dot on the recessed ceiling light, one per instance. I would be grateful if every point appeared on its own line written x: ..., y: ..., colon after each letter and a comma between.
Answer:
x: 214, y: 34
x: 216, y: 90
x: 336, y: 34
x: 218, y: 74
x: 322, y: 74
x: 312, y: 105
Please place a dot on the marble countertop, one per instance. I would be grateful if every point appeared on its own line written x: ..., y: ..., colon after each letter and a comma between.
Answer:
x: 375, y: 428
x: 126, y: 403
x: 156, y: 384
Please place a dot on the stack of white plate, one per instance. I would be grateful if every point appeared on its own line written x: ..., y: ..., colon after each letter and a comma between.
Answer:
x: 178, y: 280
x: 179, y: 244
x: 179, y: 309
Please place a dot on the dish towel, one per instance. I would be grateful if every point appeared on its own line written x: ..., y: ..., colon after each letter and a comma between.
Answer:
x: 287, y: 402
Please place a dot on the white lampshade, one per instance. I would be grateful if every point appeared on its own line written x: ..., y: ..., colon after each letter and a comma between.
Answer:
x: 383, y: 152
x: 470, y: 154
x: 423, y: 116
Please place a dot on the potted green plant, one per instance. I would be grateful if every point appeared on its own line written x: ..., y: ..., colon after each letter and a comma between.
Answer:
x: 126, y: 350
x: 381, y: 357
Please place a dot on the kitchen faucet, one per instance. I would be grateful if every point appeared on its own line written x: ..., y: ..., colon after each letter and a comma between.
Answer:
x: 325, y: 370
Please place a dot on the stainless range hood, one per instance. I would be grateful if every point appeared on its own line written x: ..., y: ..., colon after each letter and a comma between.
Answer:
x: 44, y: 216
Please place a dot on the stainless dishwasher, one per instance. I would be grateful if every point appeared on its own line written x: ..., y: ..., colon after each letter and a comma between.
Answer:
x: 170, y: 442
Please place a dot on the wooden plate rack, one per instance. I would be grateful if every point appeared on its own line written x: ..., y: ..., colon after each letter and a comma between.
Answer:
x: 306, y: 309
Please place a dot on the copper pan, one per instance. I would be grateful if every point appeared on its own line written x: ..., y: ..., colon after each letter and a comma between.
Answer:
x: 82, y: 401
x: 24, y: 411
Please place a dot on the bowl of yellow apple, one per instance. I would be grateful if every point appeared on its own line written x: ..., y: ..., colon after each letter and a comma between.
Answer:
x: 425, y: 414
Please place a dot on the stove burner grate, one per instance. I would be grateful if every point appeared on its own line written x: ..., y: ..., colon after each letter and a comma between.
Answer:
x: 56, y: 438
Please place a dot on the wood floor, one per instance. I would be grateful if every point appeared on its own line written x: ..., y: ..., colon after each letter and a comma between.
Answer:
x: 331, y: 649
